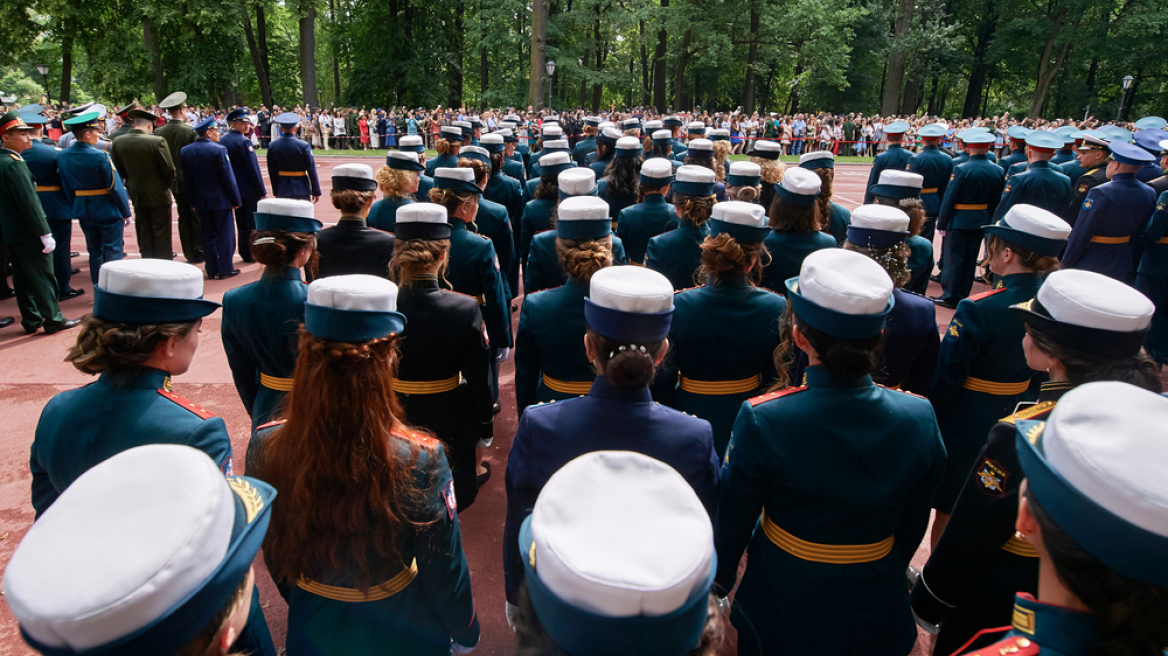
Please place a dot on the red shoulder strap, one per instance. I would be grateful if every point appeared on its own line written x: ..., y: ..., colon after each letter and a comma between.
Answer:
x: 278, y: 422
x: 786, y: 391
x: 194, y: 409
x: 978, y: 297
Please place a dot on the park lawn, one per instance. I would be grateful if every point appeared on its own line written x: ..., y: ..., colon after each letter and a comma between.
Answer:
x: 381, y: 154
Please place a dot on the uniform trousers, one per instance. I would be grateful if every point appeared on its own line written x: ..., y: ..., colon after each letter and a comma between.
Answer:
x: 104, y: 241
x: 189, y: 232
x: 62, y: 232
x: 245, y: 224
x: 152, y: 226
x: 1156, y: 289
x: 218, y: 241
x: 960, y: 253
x: 35, y: 285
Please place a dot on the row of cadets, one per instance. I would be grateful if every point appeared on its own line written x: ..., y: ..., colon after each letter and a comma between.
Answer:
x: 902, y: 189
x: 1152, y: 274
x: 894, y: 157
x: 795, y: 222
x: 213, y: 193
x: 935, y: 167
x: 512, y: 159
x: 351, y: 246
x: 1041, y: 184
x: 618, y: 188
x: 291, y: 165
x: 178, y: 134
x: 542, y: 268
x: 400, y: 182
x: 506, y: 191
x: 491, y: 219
x: 836, y: 217
x: 677, y: 254
x: 674, y: 124
x: 1016, y: 138
x: 543, y: 193
x: 1082, y: 327
x: 147, y: 166
x: 248, y: 177
x: 587, y: 145
x: 651, y: 215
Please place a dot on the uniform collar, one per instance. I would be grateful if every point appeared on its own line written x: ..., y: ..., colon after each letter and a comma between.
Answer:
x: 352, y: 219
x: 1020, y: 279
x: 1040, y: 164
x: 289, y: 273
x: 931, y: 147
x: 1053, y: 391
x: 820, y: 376
x: 137, y: 131
x: 142, y: 378
x: 603, y: 389
x: 423, y: 282
x: 895, y: 145
x: 12, y: 152
x: 458, y: 224
x: 1062, y: 630
x: 736, y: 284
x: 979, y: 156
x: 654, y: 199
x: 1123, y: 176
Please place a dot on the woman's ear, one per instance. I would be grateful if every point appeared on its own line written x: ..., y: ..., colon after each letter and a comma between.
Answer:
x: 801, y: 340
x: 1026, y: 524
x: 664, y: 350
x: 589, y: 348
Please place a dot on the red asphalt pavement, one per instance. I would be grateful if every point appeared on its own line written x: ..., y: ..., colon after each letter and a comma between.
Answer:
x: 33, y: 370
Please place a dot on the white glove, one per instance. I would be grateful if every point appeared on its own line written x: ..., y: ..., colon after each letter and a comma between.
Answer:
x: 49, y: 243
x: 512, y: 612
x: 456, y: 648
x: 502, y: 357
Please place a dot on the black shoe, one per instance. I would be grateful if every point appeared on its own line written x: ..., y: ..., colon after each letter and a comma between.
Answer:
x: 72, y: 293
x: 6, y: 294
x: 943, y: 303
x: 74, y: 254
x: 6, y: 321
x: 498, y: 408
x: 75, y: 271
x: 485, y: 476
x: 52, y: 329
x: 225, y: 276
x: 935, y: 278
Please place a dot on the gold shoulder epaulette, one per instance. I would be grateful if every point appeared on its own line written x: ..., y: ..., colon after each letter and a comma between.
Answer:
x: 1031, y: 412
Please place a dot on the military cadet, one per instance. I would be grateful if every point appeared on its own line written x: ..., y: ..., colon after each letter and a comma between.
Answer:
x: 936, y: 167
x: 766, y: 154
x: 902, y: 189
x: 261, y: 320
x: 1160, y: 184
x: 1081, y: 327
x: 1150, y: 140
x: 677, y: 254
x: 826, y: 571
x: 148, y: 169
x: 172, y: 573
x: 694, y: 130
x: 450, y: 139
x: 628, y: 314
x: 351, y: 246
x: 795, y: 222
x: 178, y: 134
x: 366, y: 542
x: 894, y: 157
x: 94, y: 188
x: 443, y: 381
x: 588, y: 143
x: 41, y: 158
x: 836, y: 217
x: 644, y: 511
x: 726, y: 329
x: 550, y: 360
x: 126, y: 122
x: 1066, y: 153
x: 618, y: 188
x: 743, y: 181
x: 548, y: 147
x: 1042, y: 184
x: 631, y: 127
x: 1093, y: 507
x: 67, y: 139
x: 537, y: 213
x: 1072, y: 168
x: 1116, y: 133
x: 507, y: 191
x: 651, y: 127
x: 27, y: 234
x: 467, y: 129
x: 605, y: 150
x: 1152, y: 278
x: 291, y: 166
x: 651, y: 216
x: 211, y: 188
x: 1108, y: 231
x: 513, y: 161
x: 413, y: 144
x: 523, y: 149
x: 248, y: 177
x: 551, y: 139
x: 492, y: 219
x: 1016, y: 136
x: 1093, y: 161
x: 981, y: 372
x: 962, y: 155
x: 661, y: 145
x: 398, y: 181
x: 972, y: 196
x: 701, y: 153
x: 674, y: 124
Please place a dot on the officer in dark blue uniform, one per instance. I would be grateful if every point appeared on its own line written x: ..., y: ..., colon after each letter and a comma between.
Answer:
x: 973, y: 194
x: 895, y: 157
x: 1094, y: 154
x: 248, y: 177
x: 844, y: 530
x: 211, y: 189
x: 1071, y: 167
x: 637, y: 224
x: 627, y: 313
x: 1150, y: 140
x: 605, y: 150
x: 1016, y: 137
x: 677, y: 254
x: 1160, y: 184
x: 537, y: 213
x: 588, y: 143
x: 1042, y: 184
x: 1109, y: 228
x: 935, y: 167
x: 41, y: 159
x: 291, y: 166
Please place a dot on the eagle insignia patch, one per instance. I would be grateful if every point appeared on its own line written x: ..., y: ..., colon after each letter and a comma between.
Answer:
x: 1007, y: 189
x: 1082, y: 189
x: 991, y: 478
x: 1088, y: 203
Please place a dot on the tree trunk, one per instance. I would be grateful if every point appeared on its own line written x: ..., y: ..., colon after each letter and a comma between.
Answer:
x: 680, y: 100
x: 597, y: 88
x: 751, y: 59
x: 908, y: 103
x: 931, y: 109
x: 977, y: 75
x: 1048, y: 70
x: 308, y: 56
x: 66, y: 65
x: 456, y: 42
x: 336, y: 49
x: 587, y: 59
x: 538, y: 73
x: 985, y: 100
x: 256, y: 61
x: 645, y: 97
x: 794, y: 99
x: 262, y: 46
x: 150, y: 41
x: 659, y: 65
x: 894, y: 78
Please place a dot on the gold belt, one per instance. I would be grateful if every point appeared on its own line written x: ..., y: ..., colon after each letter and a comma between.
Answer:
x: 1162, y: 240
x: 835, y: 554
x: 1018, y: 546
x: 930, y: 190
x: 720, y: 387
x: 426, y: 386
x: 355, y: 596
x: 961, y: 206
x: 1110, y: 240
x: 276, y: 383
x: 567, y: 386
x: 293, y: 174
x: 91, y: 192
x: 481, y: 298
x: 997, y: 389
x: 53, y: 188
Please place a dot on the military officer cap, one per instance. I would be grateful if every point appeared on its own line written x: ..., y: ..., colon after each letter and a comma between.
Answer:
x: 695, y: 127
x: 450, y: 133
x: 176, y: 542
x: 629, y: 304
x: 353, y: 308
x: 422, y: 221
x: 932, y: 130
x: 238, y: 114
x: 1126, y: 153
x: 878, y: 226
x: 150, y: 291
x: 206, y: 124
x: 1066, y: 133
x: 628, y: 147
x: 34, y: 108
x: 1092, y: 140
x: 1090, y: 312
x: 653, y: 125
x: 596, y: 524
x: 411, y: 143
x: 592, y: 121
x: 719, y: 134
x: 173, y: 101
x: 898, y: 184
x: 842, y: 293
x: 577, y: 182
x: 86, y: 121
x: 476, y: 153
x: 80, y: 109
x: 662, y: 137
x: 583, y: 218
x: 356, y: 177
x: 1150, y: 139
x: 696, y: 181
x: 1044, y: 140
x: 631, y: 124
x: 551, y: 131
x: 403, y: 160
x: 701, y: 148
x: 799, y: 187
x: 464, y: 126
x: 456, y: 179
x: 1033, y: 228
x: 745, y: 222
x: 14, y: 122
x: 1115, y: 133
x: 556, y: 146
x: 508, y: 135
x: 656, y: 172
x: 1017, y: 132
x: 977, y: 138
x: 1164, y: 147
x: 33, y: 120
x: 555, y: 163
x: 766, y: 150
x: 744, y: 174
x: 672, y: 122
x: 286, y: 214
x: 135, y: 114
x: 820, y: 159
x: 968, y: 132
x: 1151, y: 123
x: 1099, y: 468
x: 898, y: 127
x: 493, y: 143
x: 288, y: 119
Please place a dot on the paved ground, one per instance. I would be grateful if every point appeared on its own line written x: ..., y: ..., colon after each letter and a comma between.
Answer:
x: 32, y: 370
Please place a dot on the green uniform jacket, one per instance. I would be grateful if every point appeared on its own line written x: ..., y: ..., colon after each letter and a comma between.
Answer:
x: 146, y: 167
x: 637, y: 224
x: 176, y: 134
x: 22, y: 219
x: 677, y: 254
x: 1041, y: 185
x: 973, y: 194
x: 788, y: 250
x: 548, y: 341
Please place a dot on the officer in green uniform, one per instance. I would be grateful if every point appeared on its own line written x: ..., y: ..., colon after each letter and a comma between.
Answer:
x: 1094, y: 154
x: 895, y: 157
x: 935, y: 167
x: 42, y: 164
x: 177, y: 134
x: 1066, y: 153
x: 1016, y: 137
x: 127, y: 123
x: 1042, y: 184
x: 145, y: 164
x: 677, y: 254
x: 637, y: 224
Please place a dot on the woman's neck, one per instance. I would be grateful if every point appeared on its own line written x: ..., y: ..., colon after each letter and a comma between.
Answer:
x: 1051, y: 589
x: 1014, y: 268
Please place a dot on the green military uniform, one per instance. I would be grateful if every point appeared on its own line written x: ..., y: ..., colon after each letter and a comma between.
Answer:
x: 23, y: 223
x: 972, y: 196
x: 144, y: 161
x: 178, y: 134
x: 1041, y: 185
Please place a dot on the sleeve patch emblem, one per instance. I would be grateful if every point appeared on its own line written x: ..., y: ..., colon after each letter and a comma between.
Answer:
x: 1088, y: 203
x: 1161, y: 207
x: 954, y: 329
x: 991, y: 478
x: 1082, y: 188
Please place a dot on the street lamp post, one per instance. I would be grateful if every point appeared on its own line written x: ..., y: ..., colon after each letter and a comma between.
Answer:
x: 1127, y: 82
x: 551, y: 69
x: 43, y: 69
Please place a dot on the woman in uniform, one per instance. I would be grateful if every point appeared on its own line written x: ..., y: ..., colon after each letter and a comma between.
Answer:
x: 537, y: 213
x: 720, y: 137
x: 903, y: 189
x: 1082, y: 327
x: 619, y: 186
x: 836, y: 217
x: 677, y: 254
x: 651, y: 215
x: 981, y: 371
x: 491, y: 219
x: 364, y: 544
x: 412, y: 143
x: 449, y: 141
x: 398, y: 181
x: 742, y: 182
x: 726, y: 329
x: 662, y: 145
x: 766, y: 155
x: 261, y: 320
x: 550, y: 362
x: 795, y: 226
x: 507, y: 191
x: 841, y: 471
x: 701, y: 153
x: 442, y: 378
